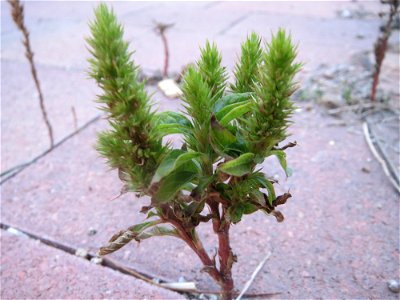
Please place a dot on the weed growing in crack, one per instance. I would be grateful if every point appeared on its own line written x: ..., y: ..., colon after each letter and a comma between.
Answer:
x: 228, y: 130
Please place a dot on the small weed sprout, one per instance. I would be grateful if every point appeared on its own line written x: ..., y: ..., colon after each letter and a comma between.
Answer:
x: 227, y: 129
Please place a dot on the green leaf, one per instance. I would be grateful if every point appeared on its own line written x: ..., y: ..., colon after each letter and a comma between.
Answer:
x: 198, y: 191
x: 184, y: 158
x: 230, y: 99
x: 167, y: 165
x: 123, y: 237
x: 221, y: 138
x: 247, y: 208
x: 281, y: 155
x: 235, y: 215
x: 172, y: 184
x: 236, y: 112
x: 173, y: 161
x: 138, y: 228
x: 158, y: 231
x: 170, y: 122
x: 271, y: 191
x: 239, y: 166
x: 239, y: 209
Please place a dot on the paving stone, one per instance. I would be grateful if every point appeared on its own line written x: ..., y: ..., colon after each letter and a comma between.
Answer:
x: 32, y: 270
x: 330, y: 222
x: 24, y: 135
x: 340, y: 236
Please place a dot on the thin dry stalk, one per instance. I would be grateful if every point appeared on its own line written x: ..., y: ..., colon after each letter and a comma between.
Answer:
x: 74, y: 117
x: 374, y: 151
x: 253, y: 276
x: 160, y: 29
x: 382, y: 44
x: 17, y: 12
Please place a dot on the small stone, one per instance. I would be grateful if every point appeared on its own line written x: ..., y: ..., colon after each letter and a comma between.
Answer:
x: 170, y: 88
x: 96, y: 260
x: 330, y: 100
x: 365, y: 170
x: 156, y: 280
x: 360, y: 36
x: 92, y: 231
x: 80, y: 252
x: 332, y: 143
x: 394, y: 286
x: 305, y: 274
x: 16, y: 232
x: 347, y: 14
x: 182, y: 279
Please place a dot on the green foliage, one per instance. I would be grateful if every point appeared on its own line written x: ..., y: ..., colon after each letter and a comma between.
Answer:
x: 246, y: 70
x: 226, y: 134
x: 131, y: 145
x: 239, y: 166
x: 275, y: 84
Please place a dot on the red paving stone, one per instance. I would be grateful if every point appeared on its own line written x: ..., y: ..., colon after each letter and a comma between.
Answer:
x: 31, y: 270
x: 339, y: 240
x: 58, y: 31
x: 340, y: 236
x: 24, y: 135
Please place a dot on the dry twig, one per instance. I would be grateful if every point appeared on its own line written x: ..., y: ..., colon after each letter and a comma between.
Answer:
x: 382, y: 44
x: 160, y: 29
x: 253, y: 276
x: 17, y: 11
x: 74, y: 117
x: 378, y: 157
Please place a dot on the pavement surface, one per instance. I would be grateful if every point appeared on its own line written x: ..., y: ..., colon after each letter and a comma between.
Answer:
x: 340, y: 238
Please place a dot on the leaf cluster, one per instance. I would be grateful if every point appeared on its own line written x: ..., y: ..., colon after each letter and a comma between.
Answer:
x: 227, y: 129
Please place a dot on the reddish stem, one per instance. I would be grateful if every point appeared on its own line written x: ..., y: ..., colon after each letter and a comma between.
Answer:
x: 226, y: 259
x: 381, y: 47
x: 166, y: 54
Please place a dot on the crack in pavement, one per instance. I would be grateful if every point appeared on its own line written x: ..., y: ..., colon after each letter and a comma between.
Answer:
x: 19, y: 168
x: 233, y: 24
x: 106, y: 262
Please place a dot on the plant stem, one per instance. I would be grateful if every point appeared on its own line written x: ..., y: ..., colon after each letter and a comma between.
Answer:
x: 381, y: 46
x: 226, y: 261
x: 161, y: 29
x: 18, y: 17
x: 192, y: 240
x: 226, y: 257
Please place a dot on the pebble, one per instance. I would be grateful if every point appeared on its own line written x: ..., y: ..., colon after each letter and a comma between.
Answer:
x: 394, y: 286
x: 360, y: 36
x: 92, y: 231
x: 331, y: 143
x: 365, y: 170
x: 80, y: 252
x: 96, y: 260
x: 345, y: 13
x: 16, y: 232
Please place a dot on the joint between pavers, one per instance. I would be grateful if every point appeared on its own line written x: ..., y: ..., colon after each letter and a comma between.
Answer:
x: 18, y: 169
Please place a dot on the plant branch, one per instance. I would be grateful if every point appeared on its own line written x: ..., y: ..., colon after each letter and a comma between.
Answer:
x: 381, y: 45
x: 226, y: 257
x: 160, y: 29
x: 253, y: 276
x: 17, y: 11
x: 192, y: 240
